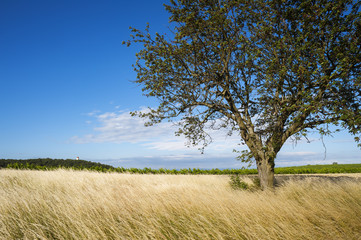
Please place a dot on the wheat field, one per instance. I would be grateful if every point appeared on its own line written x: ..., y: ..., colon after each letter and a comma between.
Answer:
x: 66, y: 204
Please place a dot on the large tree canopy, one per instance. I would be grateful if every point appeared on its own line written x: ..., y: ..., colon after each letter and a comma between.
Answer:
x: 267, y: 70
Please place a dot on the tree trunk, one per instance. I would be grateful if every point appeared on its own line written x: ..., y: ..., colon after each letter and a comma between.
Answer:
x: 265, y: 169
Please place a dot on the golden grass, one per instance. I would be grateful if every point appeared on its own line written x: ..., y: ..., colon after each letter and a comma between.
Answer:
x: 67, y: 204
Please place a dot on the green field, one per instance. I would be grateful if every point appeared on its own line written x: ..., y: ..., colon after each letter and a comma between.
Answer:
x: 332, y: 168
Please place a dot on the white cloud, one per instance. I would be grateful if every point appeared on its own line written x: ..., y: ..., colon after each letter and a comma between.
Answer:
x: 290, y: 154
x: 177, y: 161
x: 121, y: 127
x: 92, y: 113
x: 157, y: 146
x: 167, y: 143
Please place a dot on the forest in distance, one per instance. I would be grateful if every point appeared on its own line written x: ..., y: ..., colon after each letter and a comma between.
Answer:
x: 52, y: 164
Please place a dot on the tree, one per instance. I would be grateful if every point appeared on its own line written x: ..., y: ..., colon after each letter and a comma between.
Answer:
x: 267, y: 70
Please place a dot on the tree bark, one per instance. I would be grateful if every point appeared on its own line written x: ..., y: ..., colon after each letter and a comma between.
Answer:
x: 265, y: 167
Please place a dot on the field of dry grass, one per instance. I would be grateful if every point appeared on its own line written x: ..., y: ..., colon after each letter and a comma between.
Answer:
x: 67, y: 204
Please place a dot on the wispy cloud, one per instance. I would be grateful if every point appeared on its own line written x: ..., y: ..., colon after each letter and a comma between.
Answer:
x: 286, y: 158
x: 121, y: 127
x: 170, y: 161
x: 93, y: 113
x: 290, y: 154
x: 164, y: 149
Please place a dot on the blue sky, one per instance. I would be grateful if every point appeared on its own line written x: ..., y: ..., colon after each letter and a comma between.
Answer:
x: 66, y: 90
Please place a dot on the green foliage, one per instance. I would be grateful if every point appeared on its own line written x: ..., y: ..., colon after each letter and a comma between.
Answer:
x: 264, y: 70
x: 51, y: 164
x: 237, y: 184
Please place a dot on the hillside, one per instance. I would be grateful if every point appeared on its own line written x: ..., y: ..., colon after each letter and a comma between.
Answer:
x: 53, y: 163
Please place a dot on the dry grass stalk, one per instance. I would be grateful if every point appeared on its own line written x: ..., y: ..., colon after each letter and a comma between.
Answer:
x: 66, y: 204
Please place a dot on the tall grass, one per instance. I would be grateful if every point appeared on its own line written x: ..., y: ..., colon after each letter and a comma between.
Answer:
x: 66, y: 204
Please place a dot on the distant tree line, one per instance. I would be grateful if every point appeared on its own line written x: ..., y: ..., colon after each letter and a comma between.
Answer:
x: 52, y: 164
